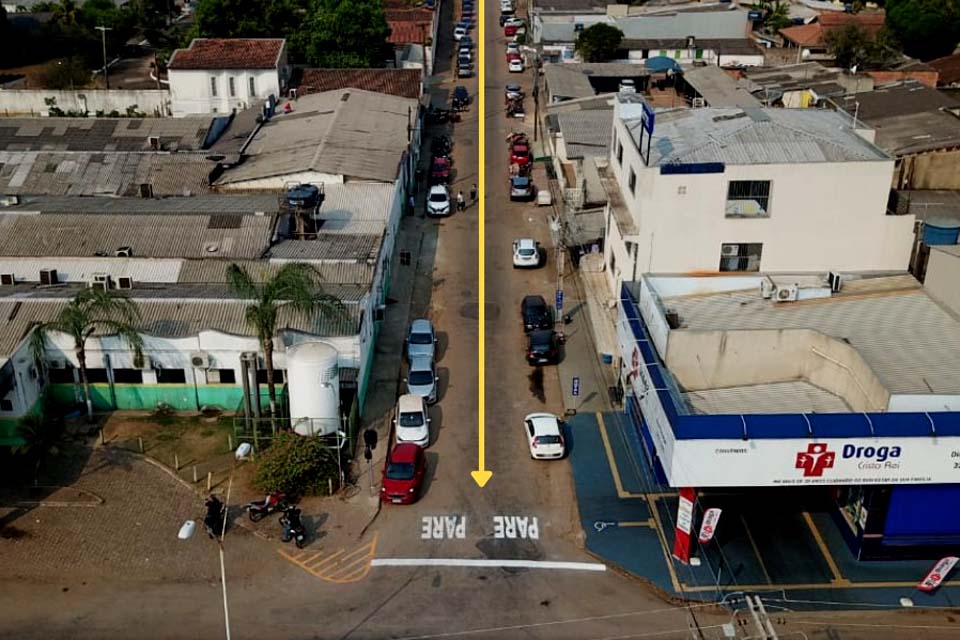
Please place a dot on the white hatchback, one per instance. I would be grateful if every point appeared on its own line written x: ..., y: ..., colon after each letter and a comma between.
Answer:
x: 544, y: 436
x: 515, y: 66
x: 438, y: 201
x: 526, y: 253
x: 458, y: 33
x: 411, y: 422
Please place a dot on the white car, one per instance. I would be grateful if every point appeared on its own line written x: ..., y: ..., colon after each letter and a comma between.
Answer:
x: 544, y: 436
x: 438, y: 201
x: 458, y: 33
x: 516, y: 22
x: 411, y: 422
x: 526, y: 253
x: 515, y: 66
x: 513, y: 47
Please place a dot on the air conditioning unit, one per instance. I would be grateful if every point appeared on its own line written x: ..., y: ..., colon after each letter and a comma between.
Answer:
x: 6, y: 279
x: 786, y: 294
x: 200, y: 360
x: 835, y: 280
x: 766, y: 289
x: 56, y: 363
x: 730, y: 250
x: 100, y: 281
x: 124, y: 252
x: 124, y: 282
x: 48, y: 276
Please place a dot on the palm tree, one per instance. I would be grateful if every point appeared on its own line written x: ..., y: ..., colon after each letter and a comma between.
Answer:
x: 65, y: 13
x: 294, y: 285
x: 89, y: 311
x: 40, y: 438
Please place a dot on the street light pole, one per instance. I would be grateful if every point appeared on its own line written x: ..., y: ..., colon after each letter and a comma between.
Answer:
x: 103, y: 34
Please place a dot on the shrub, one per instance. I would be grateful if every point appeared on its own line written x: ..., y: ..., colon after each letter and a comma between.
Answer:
x: 296, y: 465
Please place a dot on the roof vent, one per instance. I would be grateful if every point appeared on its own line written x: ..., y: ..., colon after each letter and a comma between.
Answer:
x: 345, y: 96
x: 124, y: 282
x: 48, y: 276
x: 213, y: 247
x: 124, y: 252
x: 154, y: 142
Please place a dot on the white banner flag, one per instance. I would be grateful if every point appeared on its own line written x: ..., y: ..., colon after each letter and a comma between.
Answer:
x: 937, y: 574
x: 710, y: 519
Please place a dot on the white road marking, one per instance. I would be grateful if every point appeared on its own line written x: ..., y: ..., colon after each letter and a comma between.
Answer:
x: 499, y: 564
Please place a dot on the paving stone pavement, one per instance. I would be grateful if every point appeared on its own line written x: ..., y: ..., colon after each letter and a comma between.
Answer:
x: 131, y: 535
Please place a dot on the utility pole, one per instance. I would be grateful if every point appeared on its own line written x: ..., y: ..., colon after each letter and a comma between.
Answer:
x: 536, y: 95
x: 106, y: 74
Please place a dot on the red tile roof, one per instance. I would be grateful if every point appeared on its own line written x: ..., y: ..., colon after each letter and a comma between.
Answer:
x: 815, y: 33
x: 408, y: 32
x: 948, y: 67
x: 408, y: 15
x: 404, y: 83
x: 228, y: 53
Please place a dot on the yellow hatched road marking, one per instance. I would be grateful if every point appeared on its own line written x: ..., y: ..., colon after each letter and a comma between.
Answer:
x: 340, y: 567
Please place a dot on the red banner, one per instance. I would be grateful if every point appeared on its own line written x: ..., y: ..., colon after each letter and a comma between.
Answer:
x: 681, y: 541
x: 937, y: 575
x: 710, y: 519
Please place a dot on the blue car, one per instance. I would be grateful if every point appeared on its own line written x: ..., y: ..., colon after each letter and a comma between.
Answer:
x: 421, y: 340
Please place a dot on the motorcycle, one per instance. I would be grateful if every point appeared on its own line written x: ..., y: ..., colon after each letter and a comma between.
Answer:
x: 259, y: 509
x: 214, y: 520
x: 292, y: 527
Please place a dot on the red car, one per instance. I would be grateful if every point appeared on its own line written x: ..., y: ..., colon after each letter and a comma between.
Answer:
x: 510, y: 30
x: 403, y: 474
x: 440, y: 170
x: 520, y: 155
x: 513, y: 55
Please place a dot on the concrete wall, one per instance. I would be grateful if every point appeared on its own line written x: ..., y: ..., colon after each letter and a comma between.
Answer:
x: 191, y: 91
x: 932, y: 170
x: 30, y: 102
x: 717, y: 359
x: 943, y: 278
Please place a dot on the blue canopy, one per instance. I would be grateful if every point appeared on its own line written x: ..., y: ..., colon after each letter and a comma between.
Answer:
x: 660, y: 64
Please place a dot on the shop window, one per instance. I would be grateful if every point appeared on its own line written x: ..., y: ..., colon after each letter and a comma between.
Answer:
x: 128, y: 376
x: 748, y: 199
x: 278, y: 377
x: 740, y: 257
x: 171, y: 376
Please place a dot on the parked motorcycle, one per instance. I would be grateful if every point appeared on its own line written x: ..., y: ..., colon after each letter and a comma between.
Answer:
x: 213, y: 521
x: 292, y: 527
x: 259, y: 509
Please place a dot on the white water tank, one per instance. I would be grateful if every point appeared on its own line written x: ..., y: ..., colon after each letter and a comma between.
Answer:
x: 313, y: 382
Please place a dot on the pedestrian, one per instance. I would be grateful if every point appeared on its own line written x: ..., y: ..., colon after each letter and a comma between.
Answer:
x: 413, y: 204
x: 473, y: 193
x: 461, y: 203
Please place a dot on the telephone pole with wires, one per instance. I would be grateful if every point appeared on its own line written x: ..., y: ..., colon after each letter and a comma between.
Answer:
x: 103, y: 36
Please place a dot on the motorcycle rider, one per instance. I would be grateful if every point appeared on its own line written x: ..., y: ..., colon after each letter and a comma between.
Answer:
x: 214, y: 518
x: 293, y: 528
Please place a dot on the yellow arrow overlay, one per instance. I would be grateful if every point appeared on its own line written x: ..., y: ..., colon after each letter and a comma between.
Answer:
x: 482, y: 475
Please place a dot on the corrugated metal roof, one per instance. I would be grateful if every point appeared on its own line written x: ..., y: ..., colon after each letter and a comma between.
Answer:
x: 82, y: 269
x: 331, y: 273
x: 718, y: 88
x: 347, y: 247
x: 780, y: 397
x: 586, y: 133
x: 209, y: 203
x: 155, y: 236
x: 102, y: 134
x: 349, y: 132
x: 910, y: 342
x: 754, y: 136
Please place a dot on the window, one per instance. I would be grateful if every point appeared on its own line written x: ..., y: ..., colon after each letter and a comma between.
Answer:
x: 613, y: 261
x: 278, y: 377
x: 252, y: 83
x: 60, y: 376
x: 171, y: 376
x: 213, y: 87
x: 97, y: 375
x: 227, y: 376
x: 632, y: 183
x: 6, y: 405
x: 128, y: 376
x: 740, y: 257
x: 619, y: 153
x: 748, y: 199
x: 232, y: 86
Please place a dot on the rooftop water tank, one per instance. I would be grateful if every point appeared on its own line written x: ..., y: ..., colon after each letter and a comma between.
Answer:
x: 313, y: 382
x: 305, y: 196
x: 941, y: 230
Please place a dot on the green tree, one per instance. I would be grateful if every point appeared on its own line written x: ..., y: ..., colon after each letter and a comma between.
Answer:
x: 296, y: 465
x: 71, y: 73
x: 853, y: 46
x: 247, y: 18
x: 776, y: 15
x: 344, y: 33
x: 294, y: 285
x: 91, y: 310
x: 927, y: 29
x: 599, y: 42
x: 40, y: 439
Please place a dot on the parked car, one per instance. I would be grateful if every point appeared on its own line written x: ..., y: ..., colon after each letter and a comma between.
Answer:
x: 526, y: 253
x: 421, y: 340
x: 466, y: 41
x: 543, y: 347
x: 521, y: 188
x: 440, y: 170
x: 513, y: 55
x: 465, y: 52
x: 520, y: 154
x: 422, y: 378
x: 464, y: 70
x: 441, y: 145
x: 464, y: 59
x: 544, y: 436
x: 461, y: 97
x: 513, y: 47
x: 515, y: 66
x: 438, y: 201
x: 535, y: 314
x: 464, y: 24
x: 403, y: 474
x: 513, y: 91
x: 459, y: 33
x: 411, y: 422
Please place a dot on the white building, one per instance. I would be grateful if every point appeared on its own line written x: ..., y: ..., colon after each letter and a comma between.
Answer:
x: 220, y: 75
x: 726, y: 189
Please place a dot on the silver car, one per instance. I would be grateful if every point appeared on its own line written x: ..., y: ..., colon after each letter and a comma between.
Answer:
x: 421, y: 340
x: 422, y: 379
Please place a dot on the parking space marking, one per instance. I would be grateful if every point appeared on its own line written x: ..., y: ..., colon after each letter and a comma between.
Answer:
x: 756, y: 550
x: 664, y: 546
x: 838, y: 578
x: 341, y: 566
x: 612, y: 462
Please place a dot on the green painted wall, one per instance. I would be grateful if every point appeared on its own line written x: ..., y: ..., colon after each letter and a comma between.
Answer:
x: 8, y: 427
x: 184, y: 397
